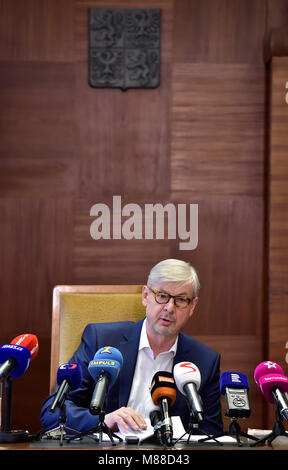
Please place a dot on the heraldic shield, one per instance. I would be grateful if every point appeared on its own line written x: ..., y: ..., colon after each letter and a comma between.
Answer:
x: 124, y: 47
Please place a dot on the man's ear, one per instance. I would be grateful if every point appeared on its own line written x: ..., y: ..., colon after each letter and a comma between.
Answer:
x: 145, y: 292
x: 193, y: 306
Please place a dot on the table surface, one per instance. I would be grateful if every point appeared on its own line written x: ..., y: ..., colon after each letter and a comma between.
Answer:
x: 89, y: 443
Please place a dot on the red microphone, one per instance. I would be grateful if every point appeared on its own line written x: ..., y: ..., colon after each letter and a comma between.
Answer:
x: 15, y: 359
x: 28, y: 341
x: 16, y: 356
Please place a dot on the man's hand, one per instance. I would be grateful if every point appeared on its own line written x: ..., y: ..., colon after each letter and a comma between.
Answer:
x: 125, y: 417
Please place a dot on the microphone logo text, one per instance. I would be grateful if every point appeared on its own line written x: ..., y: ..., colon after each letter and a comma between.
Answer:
x: 12, y: 346
x: 68, y: 366
x: 235, y: 378
x: 107, y: 349
x: 102, y: 363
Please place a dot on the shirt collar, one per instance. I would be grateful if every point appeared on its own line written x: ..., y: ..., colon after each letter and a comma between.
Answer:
x: 144, y: 342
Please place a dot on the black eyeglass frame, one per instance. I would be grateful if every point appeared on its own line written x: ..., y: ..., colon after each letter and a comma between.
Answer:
x: 174, y: 297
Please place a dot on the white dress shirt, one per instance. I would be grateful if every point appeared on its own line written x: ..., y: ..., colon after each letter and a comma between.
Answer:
x: 146, y: 366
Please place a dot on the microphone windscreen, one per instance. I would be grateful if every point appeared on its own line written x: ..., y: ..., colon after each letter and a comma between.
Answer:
x: 106, y: 359
x: 163, y: 386
x: 20, y: 355
x: 186, y: 372
x: 233, y: 380
x: 72, y: 373
x: 271, y: 381
x: 29, y: 341
x: 267, y: 368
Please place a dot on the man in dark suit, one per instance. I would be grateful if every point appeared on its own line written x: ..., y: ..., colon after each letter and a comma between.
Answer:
x: 156, y: 343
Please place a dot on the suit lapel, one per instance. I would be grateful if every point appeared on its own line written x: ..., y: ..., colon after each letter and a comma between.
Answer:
x: 182, y: 350
x: 181, y: 355
x: 129, y: 349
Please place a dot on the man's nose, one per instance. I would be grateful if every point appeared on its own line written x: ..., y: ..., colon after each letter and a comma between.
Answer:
x: 170, y: 306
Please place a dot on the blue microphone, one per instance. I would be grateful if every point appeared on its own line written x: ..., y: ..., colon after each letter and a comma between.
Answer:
x: 104, y: 368
x: 235, y: 387
x: 14, y: 360
x: 69, y: 377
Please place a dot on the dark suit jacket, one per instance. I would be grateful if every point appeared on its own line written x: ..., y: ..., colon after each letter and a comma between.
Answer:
x: 125, y: 336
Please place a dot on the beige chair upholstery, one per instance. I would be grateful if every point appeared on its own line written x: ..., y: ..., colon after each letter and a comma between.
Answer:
x: 76, y: 306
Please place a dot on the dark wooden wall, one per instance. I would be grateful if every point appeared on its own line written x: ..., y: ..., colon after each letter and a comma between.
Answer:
x: 277, y: 59
x: 200, y: 138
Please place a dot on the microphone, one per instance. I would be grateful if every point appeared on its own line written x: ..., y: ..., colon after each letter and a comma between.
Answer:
x: 188, y: 379
x: 15, y: 357
x: 163, y: 393
x: 155, y: 418
x: 234, y: 385
x: 69, y: 377
x: 104, y: 368
x: 270, y: 378
x: 29, y: 341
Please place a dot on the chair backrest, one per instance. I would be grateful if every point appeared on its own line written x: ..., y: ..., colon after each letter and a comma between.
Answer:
x: 76, y: 306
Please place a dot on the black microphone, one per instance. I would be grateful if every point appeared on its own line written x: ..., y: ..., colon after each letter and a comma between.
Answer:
x: 163, y: 393
x: 156, y: 422
x: 97, y: 403
x: 69, y: 377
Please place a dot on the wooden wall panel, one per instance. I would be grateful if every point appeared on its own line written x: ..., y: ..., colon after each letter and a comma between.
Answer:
x: 217, y: 142
x: 278, y: 212
x: 217, y: 129
x: 37, y: 30
x: 198, y: 138
x: 37, y: 129
x: 34, y: 236
x: 277, y: 71
x: 277, y: 14
x: 35, y: 251
x: 126, y: 134
x: 230, y: 236
x: 219, y: 32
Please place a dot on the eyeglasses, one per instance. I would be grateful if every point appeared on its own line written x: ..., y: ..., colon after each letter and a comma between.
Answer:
x: 164, y: 297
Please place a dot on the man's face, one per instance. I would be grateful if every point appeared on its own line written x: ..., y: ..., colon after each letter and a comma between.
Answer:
x: 167, y: 319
